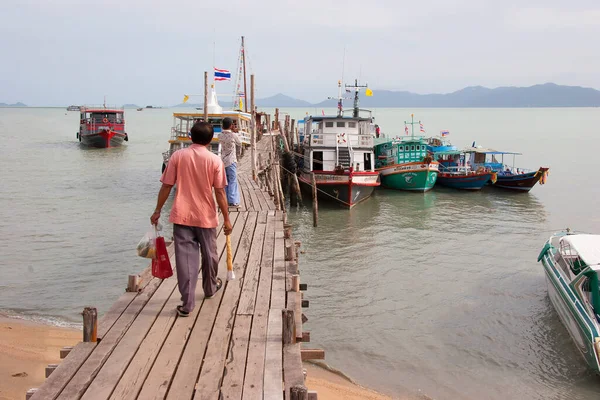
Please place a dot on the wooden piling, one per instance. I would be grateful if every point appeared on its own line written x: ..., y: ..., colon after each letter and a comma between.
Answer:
x: 314, y: 199
x: 253, y: 128
x: 287, y: 231
x: 296, y: 283
x: 64, y: 352
x: 133, y: 282
x: 50, y: 369
x: 289, y: 253
x: 289, y: 326
x: 30, y: 393
x: 298, y: 392
x: 90, y: 324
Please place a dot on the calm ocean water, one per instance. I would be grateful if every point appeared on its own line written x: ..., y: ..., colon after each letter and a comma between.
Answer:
x: 438, y: 294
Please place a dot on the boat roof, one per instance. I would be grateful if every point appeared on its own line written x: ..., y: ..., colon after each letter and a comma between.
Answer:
x: 587, y: 246
x: 483, y: 150
x: 220, y: 115
x: 402, y: 139
x: 102, y: 110
x: 324, y: 117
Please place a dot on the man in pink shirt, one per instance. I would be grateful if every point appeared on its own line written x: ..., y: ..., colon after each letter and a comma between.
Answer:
x: 196, y: 171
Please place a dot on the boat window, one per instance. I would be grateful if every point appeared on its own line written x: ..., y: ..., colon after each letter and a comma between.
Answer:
x: 351, y: 124
x: 418, y: 147
x: 400, y: 148
x: 412, y: 148
x: 329, y: 124
x: 341, y: 124
x: 317, y: 164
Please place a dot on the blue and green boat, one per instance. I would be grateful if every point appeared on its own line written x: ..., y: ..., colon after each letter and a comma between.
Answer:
x: 571, y: 265
x: 404, y: 163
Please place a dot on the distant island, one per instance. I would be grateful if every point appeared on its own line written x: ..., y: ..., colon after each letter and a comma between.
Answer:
x: 545, y: 95
x: 13, y: 105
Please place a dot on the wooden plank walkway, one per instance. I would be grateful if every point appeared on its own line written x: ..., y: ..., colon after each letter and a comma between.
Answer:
x: 230, y: 346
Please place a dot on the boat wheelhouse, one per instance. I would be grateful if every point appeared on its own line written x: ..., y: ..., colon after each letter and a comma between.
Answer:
x: 404, y: 163
x: 439, y: 144
x: 338, y: 150
x: 102, y: 126
x: 183, y: 122
x: 509, y: 177
x: 454, y: 173
x: 571, y: 266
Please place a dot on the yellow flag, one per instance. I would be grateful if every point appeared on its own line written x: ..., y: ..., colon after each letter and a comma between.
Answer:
x: 368, y: 92
x: 185, y: 98
x: 241, y: 104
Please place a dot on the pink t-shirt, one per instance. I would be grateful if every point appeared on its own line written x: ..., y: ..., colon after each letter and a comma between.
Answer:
x: 196, y: 171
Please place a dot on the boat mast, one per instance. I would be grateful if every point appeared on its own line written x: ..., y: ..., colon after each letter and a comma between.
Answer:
x: 412, y: 125
x: 356, y: 87
x: 245, y: 91
x: 339, y: 113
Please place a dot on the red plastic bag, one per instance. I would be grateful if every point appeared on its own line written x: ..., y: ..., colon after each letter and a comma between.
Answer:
x: 161, y: 265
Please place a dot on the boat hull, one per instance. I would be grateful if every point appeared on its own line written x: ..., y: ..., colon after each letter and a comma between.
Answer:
x: 581, y: 328
x: 414, y: 177
x: 520, y: 183
x: 464, y: 182
x: 103, y: 139
x: 347, y: 189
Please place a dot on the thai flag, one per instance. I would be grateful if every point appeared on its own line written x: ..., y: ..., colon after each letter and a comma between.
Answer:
x: 444, y: 133
x: 421, y: 125
x: 222, y: 74
x: 406, y: 129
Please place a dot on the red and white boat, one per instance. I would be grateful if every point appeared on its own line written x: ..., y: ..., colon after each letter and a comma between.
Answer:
x: 102, y: 127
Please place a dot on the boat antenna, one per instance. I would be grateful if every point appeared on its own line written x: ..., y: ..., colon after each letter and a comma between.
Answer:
x: 245, y: 88
x: 356, y: 87
x: 214, y: 51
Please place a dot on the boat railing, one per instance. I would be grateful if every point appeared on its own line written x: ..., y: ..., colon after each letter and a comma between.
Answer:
x: 102, y: 107
x: 318, y: 138
x: 178, y: 134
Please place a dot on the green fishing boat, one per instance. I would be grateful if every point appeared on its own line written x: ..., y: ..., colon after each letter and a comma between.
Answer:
x: 404, y: 163
x: 572, y: 263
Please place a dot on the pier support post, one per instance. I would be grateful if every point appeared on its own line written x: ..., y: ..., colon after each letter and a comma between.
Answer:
x: 90, y: 324
x: 296, y: 283
x: 64, y: 352
x: 287, y: 231
x: 298, y: 392
x: 50, y: 369
x: 289, y: 253
x: 133, y: 283
x: 253, y: 128
x: 289, y: 326
x: 30, y: 393
x: 314, y: 199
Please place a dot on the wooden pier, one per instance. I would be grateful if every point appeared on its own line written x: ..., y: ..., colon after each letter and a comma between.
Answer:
x: 245, y: 343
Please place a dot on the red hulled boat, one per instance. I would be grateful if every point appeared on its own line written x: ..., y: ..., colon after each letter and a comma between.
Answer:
x: 102, y: 127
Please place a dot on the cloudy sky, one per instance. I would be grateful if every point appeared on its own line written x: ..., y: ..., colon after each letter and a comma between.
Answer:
x: 60, y: 52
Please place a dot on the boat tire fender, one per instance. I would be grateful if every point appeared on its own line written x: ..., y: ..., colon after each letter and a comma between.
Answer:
x: 105, y: 120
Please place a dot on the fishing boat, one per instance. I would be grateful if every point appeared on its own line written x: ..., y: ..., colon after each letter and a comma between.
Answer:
x: 102, y: 126
x: 183, y: 122
x: 338, y: 151
x: 74, y: 108
x: 455, y: 174
x: 571, y: 264
x: 140, y: 109
x: 509, y: 177
x: 404, y: 162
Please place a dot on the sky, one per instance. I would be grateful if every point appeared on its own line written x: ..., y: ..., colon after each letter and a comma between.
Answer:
x: 61, y: 52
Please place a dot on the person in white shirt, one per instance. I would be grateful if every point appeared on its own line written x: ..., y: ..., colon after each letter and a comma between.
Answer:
x: 229, y: 140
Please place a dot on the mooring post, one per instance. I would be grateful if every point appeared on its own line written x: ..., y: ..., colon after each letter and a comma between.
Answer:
x: 64, y: 352
x: 133, y: 282
x: 314, y: 199
x: 50, y: 369
x: 90, y: 324
x: 298, y: 392
x: 296, y: 283
x: 287, y: 231
x: 30, y: 393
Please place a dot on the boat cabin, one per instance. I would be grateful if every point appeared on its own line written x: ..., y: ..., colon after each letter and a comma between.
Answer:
x: 493, y: 160
x: 579, y: 258
x: 334, y: 143
x: 100, y: 116
x: 399, y: 151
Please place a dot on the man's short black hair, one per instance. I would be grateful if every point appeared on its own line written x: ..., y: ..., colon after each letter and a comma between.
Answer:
x: 227, y: 122
x: 202, y: 133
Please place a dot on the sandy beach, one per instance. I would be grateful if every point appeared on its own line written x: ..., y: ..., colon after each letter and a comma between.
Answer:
x: 26, y: 348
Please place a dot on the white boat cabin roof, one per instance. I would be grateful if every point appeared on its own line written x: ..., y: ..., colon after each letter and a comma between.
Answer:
x: 586, y: 246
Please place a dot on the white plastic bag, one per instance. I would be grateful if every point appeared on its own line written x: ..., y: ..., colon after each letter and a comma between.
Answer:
x: 147, y: 246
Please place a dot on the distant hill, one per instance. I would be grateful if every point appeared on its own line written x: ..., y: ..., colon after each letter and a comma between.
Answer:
x: 546, y: 95
x: 13, y: 105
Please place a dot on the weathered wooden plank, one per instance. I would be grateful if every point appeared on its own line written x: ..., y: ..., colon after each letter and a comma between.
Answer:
x: 131, y: 381
x: 253, y: 382
x: 292, y: 367
x: 108, y: 377
x: 211, y: 373
x: 54, y: 385
x: 183, y: 382
x: 88, y: 371
x: 273, y: 376
x: 312, y: 354
x: 114, y: 313
x: 235, y: 367
x: 251, y: 276
x: 278, y: 290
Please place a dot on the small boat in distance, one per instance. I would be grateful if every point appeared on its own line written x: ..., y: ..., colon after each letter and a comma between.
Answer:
x: 404, y: 163
x: 455, y: 174
x: 73, y: 108
x: 140, y: 109
x: 102, y: 126
x: 338, y: 151
x: 571, y: 264
x: 509, y: 177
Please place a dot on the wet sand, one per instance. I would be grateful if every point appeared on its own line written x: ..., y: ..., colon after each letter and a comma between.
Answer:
x: 26, y: 348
